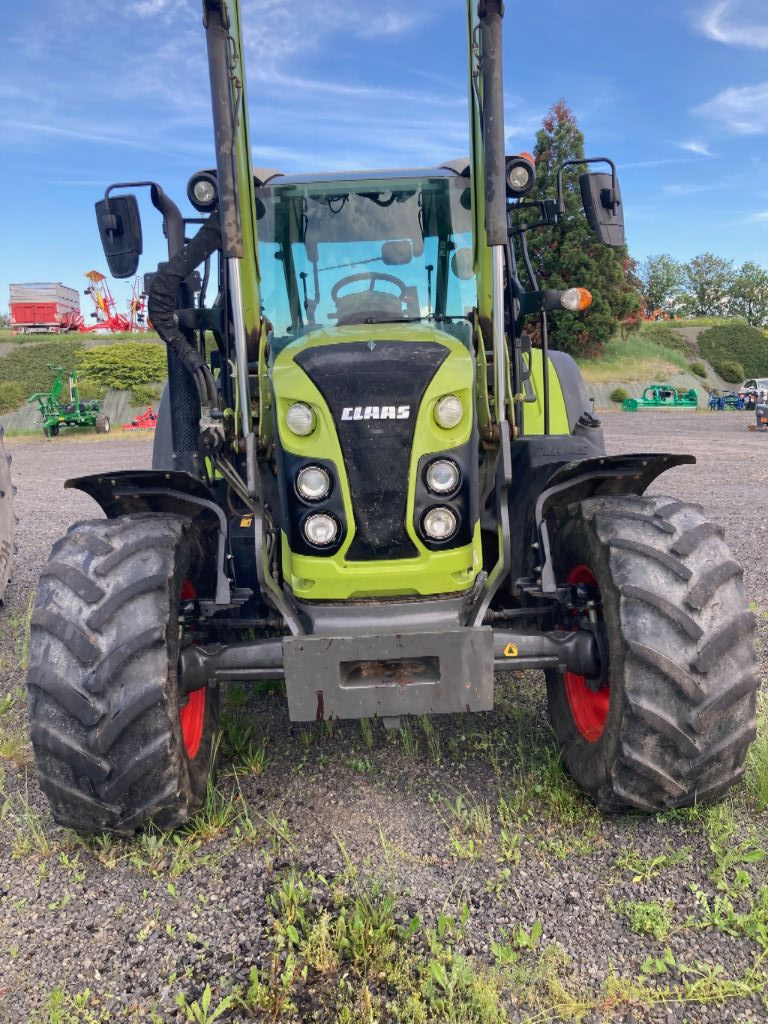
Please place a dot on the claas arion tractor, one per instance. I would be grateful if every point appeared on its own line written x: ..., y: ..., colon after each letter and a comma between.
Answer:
x: 372, y: 485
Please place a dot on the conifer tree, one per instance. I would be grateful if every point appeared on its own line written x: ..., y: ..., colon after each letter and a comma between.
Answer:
x: 570, y: 255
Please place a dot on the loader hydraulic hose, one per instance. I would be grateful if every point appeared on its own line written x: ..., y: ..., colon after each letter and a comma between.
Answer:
x: 162, y: 306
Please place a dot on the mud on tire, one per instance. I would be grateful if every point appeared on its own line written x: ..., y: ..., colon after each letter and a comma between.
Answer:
x: 103, y: 677
x: 682, y: 667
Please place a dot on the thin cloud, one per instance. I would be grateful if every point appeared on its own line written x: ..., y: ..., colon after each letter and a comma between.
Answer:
x: 744, y: 110
x: 692, y: 146
x: 77, y: 133
x: 736, y: 23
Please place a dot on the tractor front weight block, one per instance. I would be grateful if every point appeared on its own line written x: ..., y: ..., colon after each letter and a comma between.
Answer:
x: 388, y: 675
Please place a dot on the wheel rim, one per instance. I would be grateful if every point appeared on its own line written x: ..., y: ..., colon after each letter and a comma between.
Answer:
x: 192, y: 715
x: 588, y: 707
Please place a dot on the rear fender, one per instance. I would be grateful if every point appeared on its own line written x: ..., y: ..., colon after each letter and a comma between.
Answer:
x: 170, y: 492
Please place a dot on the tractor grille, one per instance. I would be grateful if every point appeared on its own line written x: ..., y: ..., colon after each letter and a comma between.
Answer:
x: 373, y: 391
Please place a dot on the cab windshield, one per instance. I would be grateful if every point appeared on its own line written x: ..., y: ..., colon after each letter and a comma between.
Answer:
x: 367, y: 251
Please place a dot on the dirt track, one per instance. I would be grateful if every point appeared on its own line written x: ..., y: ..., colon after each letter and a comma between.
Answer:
x: 426, y: 811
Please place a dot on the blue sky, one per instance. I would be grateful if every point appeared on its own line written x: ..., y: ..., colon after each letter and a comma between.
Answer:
x: 96, y: 91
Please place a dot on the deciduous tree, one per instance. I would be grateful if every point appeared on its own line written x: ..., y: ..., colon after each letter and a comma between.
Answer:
x: 660, y: 278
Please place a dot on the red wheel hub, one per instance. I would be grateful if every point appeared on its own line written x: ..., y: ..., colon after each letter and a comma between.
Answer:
x: 588, y: 707
x: 192, y: 715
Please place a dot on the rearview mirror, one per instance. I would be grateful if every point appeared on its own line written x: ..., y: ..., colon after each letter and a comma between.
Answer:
x: 120, y: 230
x: 601, y: 198
x: 397, y: 253
x: 462, y: 264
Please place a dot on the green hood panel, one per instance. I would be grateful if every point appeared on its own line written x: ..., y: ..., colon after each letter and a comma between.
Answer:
x: 337, y: 576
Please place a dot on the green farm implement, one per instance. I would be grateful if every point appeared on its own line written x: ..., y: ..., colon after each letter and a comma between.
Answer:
x: 57, y: 412
x: 662, y: 396
x: 371, y: 480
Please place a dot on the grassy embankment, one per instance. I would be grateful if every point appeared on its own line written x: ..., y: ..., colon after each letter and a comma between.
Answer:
x: 658, y: 351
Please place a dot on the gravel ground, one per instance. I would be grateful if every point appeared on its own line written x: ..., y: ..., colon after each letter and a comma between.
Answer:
x: 138, y: 923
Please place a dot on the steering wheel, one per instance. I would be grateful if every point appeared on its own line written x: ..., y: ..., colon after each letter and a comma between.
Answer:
x: 373, y: 276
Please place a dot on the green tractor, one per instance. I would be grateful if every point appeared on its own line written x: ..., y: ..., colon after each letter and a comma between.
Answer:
x: 56, y: 412
x: 375, y: 487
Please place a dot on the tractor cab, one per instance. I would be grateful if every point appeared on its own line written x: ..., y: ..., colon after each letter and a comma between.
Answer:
x: 341, y: 251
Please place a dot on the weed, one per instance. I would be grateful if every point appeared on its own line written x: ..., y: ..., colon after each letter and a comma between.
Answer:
x: 643, y: 869
x: 432, y: 738
x: 730, y: 852
x: 218, y: 814
x: 507, y: 951
x: 203, y: 1012
x: 646, y: 918
x: 63, y: 1007
x: 408, y: 740
x: 366, y: 728
x: 26, y: 825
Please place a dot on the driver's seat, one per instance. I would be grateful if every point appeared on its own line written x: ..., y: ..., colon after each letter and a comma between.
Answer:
x: 360, y: 307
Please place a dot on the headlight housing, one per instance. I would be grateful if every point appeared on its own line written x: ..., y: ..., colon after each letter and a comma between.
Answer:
x: 313, y: 483
x: 439, y: 523
x: 320, y: 529
x: 442, y: 476
x: 203, y: 191
x: 300, y: 419
x: 449, y: 411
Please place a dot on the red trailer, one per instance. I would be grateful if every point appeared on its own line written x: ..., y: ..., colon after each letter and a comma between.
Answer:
x: 44, y: 308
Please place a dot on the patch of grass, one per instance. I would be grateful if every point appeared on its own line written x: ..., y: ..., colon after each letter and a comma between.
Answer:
x: 757, y: 759
x: 639, y: 358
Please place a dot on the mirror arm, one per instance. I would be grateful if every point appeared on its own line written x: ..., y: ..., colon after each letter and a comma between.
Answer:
x: 612, y: 203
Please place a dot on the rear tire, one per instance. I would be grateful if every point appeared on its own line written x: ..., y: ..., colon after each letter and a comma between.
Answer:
x: 682, y: 677
x: 102, y: 424
x: 7, y: 519
x: 117, y: 746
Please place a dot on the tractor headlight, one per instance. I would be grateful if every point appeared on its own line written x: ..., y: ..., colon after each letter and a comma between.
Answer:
x: 442, y: 476
x: 313, y: 483
x: 521, y: 175
x: 321, y: 529
x: 300, y: 419
x: 439, y: 523
x: 202, y: 191
x: 449, y: 411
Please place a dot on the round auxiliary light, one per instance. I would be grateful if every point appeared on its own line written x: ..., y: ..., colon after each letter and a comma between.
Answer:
x: 442, y: 476
x: 321, y: 530
x: 202, y: 191
x: 520, y: 175
x: 300, y: 419
x: 576, y: 299
x: 439, y: 523
x: 313, y: 483
x: 449, y: 411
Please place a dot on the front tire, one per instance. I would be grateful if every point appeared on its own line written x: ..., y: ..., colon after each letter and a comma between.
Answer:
x: 671, y: 724
x: 117, y: 745
x: 102, y: 424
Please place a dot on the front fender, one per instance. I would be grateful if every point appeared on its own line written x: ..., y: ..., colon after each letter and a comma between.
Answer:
x: 171, y: 492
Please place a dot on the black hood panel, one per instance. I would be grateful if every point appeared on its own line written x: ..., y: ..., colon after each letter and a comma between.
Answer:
x: 373, y: 391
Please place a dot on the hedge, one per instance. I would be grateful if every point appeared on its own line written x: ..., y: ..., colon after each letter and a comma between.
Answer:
x: 736, y: 343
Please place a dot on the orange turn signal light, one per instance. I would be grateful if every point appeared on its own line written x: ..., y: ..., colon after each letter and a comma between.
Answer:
x: 576, y: 299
